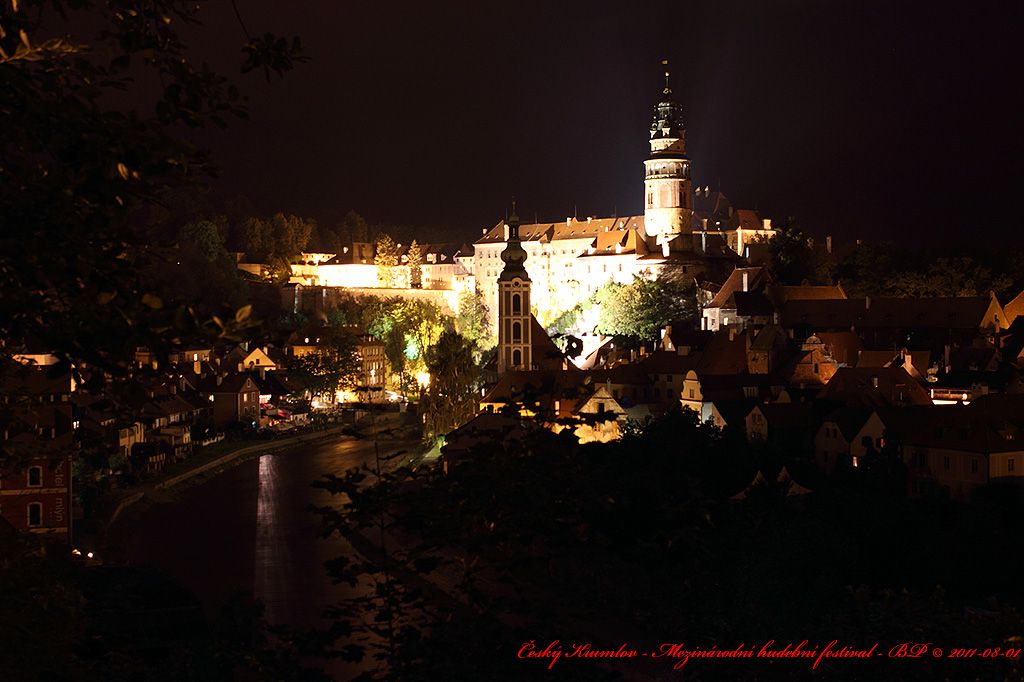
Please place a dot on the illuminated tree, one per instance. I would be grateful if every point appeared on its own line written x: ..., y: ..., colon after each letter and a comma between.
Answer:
x: 472, y: 319
x: 451, y: 397
x: 334, y: 367
x: 386, y: 260
x: 415, y: 261
x: 639, y: 310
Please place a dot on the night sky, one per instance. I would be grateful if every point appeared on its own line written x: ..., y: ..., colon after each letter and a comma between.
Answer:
x: 863, y: 119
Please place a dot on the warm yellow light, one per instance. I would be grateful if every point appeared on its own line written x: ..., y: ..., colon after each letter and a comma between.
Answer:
x: 423, y: 379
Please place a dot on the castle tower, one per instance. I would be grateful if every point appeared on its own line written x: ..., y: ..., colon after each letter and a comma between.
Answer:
x: 514, y: 342
x: 668, y: 194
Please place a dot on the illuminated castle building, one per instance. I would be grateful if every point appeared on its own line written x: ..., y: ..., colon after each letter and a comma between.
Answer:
x: 683, y: 232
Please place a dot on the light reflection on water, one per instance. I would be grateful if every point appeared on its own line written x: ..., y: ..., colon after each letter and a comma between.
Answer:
x: 272, y: 555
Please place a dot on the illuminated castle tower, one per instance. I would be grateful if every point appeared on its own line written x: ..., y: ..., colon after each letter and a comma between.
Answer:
x: 514, y: 342
x: 668, y: 209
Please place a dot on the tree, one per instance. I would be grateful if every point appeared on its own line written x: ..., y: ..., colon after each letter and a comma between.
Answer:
x: 204, y: 238
x: 471, y: 320
x: 540, y: 519
x: 291, y: 235
x: 353, y: 228
x: 406, y: 328
x: 795, y: 261
x: 869, y: 269
x: 960, y: 276
x: 332, y: 368
x: 640, y: 310
x: 386, y: 260
x: 282, y: 237
x: 415, y: 261
x: 451, y: 396
x: 77, y: 167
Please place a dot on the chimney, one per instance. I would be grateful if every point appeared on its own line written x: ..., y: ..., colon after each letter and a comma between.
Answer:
x: 568, y: 221
x: 485, y: 231
x: 945, y: 358
x: 665, y: 250
x: 828, y: 244
x: 746, y: 280
x: 867, y: 303
x: 766, y: 223
x: 874, y: 381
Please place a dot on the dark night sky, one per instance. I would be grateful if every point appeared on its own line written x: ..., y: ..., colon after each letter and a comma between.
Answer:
x: 863, y: 119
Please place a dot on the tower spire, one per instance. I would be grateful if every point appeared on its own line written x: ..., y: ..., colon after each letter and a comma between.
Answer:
x: 668, y: 210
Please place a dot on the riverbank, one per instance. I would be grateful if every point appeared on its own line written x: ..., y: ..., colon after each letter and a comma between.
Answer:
x: 214, y: 460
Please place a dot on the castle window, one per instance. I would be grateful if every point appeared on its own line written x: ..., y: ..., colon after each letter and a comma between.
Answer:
x: 517, y: 332
x: 516, y: 304
x: 35, y: 514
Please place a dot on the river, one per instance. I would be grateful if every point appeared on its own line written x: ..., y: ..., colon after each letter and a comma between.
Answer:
x: 249, y: 529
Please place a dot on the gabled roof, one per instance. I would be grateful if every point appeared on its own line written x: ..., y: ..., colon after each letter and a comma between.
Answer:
x: 856, y: 386
x: 957, y: 427
x: 844, y: 347
x: 756, y: 279
x: 849, y: 420
x: 668, y: 362
x: 1015, y: 308
x: 572, y: 228
x: 780, y: 293
x: 617, y: 242
x: 711, y: 205
x: 724, y: 354
x: 747, y: 219
x: 919, y: 359
x: 544, y: 352
x: 232, y: 383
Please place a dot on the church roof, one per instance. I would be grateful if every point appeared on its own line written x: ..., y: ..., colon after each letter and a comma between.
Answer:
x: 544, y: 352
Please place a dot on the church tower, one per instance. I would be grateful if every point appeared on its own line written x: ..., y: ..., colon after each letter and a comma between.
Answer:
x: 668, y: 192
x: 514, y: 342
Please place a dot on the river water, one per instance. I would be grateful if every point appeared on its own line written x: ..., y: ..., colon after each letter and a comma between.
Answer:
x: 249, y: 529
